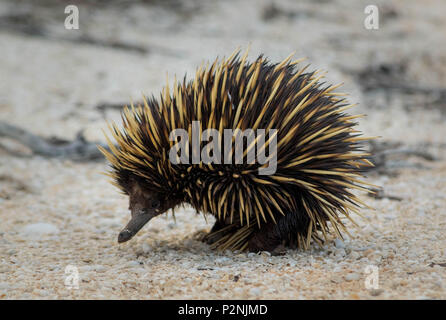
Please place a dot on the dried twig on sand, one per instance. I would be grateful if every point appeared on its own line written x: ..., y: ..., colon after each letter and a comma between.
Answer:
x: 78, y: 149
x: 382, y: 151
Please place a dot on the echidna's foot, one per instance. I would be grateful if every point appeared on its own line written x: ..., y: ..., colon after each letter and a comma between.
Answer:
x: 280, y: 250
x: 218, y: 231
x: 265, y: 239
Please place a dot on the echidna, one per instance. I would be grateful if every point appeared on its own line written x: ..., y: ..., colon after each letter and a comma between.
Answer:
x: 315, y: 155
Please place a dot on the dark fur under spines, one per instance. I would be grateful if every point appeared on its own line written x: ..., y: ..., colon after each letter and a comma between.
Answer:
x: 319, y: 155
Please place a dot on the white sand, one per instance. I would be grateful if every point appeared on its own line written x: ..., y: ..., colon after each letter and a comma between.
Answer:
x: 58, y: 213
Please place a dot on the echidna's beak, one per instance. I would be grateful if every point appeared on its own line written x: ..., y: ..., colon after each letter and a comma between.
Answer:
x: 139, y: 219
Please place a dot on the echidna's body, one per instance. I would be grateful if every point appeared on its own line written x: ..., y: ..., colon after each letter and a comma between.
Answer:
x: 318, y: 155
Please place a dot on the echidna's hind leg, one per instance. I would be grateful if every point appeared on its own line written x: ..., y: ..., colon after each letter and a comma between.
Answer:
x: 267, y: 238
x: 290, y: 231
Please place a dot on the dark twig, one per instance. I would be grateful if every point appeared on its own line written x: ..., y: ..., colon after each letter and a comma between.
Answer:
x: 380, y: 194
x: 432, y: 264
x: 78, y: 149
x: 103, y: 107
x: 29, y: 25
x: 382, y: 151
x: 392, y: 78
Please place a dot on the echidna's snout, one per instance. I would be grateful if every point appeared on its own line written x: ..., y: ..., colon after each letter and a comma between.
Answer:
x: 124, y: 236
x: 138, y: 220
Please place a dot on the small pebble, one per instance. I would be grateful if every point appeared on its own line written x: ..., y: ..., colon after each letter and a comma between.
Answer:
x: 255, y: 291
x: 339, y: 243
x: 133, y: 263
x: 354, y: 255
x: 352, y: 277
x: 37, y: 230
x: 376, y: 292
x: 4, y: 269
x: 146, y: 248
x: 4, y: 286
x: 222, y: 260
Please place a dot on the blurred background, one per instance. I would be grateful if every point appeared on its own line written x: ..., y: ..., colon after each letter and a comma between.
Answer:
x: 61, y: 86
x: 57, y: 81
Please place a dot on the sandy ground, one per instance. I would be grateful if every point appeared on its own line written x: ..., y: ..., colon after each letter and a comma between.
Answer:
x: 57, y: 213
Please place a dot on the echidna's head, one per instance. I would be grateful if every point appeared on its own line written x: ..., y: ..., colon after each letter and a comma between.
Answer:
x: 144, y: 204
